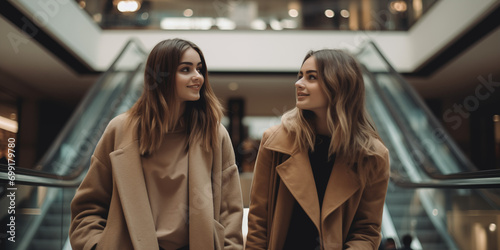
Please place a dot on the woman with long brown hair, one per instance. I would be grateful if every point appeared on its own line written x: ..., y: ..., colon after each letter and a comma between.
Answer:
x: 163, y: 175
x: 321, y: 176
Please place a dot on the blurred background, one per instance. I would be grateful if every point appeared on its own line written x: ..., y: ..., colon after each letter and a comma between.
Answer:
x: 432, y: 69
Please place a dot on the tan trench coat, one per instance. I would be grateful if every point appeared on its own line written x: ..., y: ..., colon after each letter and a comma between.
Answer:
x: 351, y: 214
x: 111, y: 207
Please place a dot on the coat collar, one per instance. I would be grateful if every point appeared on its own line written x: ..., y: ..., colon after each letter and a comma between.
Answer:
x: 201, y: 209
x: 296, y: 174
x: 280, y: 141
x: 129, y: 178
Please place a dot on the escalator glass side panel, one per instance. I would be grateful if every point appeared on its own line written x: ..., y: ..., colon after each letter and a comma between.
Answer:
x: 434, y: 217
x: 438, y: 218
x: 38, y: 218
x: 430, y: 144
x: 468, y: 220
x: 72, y: 149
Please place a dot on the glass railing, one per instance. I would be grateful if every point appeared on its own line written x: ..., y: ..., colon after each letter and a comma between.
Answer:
x: 257, y: 14
x: 76, y: 142
x: 436, y: 194
x: 35, y: 205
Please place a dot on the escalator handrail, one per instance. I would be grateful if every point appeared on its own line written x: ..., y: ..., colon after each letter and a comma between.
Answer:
x: 38, y: 177
x: 474, y: 173
x: 470, y: 183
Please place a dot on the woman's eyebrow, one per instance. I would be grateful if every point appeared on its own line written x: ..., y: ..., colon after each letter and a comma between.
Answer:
x: 189, y: 63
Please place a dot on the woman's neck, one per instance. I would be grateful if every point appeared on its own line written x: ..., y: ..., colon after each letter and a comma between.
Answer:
x: 321, y: 125
x: 180, y: 111
x: 177, y: 116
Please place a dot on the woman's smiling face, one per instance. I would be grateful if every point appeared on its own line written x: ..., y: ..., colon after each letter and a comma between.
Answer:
x: 310, y: 94
x: 189, y: 77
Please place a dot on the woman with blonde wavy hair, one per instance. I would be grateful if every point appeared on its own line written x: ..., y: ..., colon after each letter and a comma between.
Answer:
x: 163, y: 175
x: 321, y: 176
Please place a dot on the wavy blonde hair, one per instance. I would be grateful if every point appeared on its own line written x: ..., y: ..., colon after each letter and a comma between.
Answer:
x: 349, y: 123
x: 155, y: 111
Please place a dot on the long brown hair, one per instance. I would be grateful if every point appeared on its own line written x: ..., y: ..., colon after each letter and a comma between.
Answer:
x: 155, y: 111
x: 348, y: 121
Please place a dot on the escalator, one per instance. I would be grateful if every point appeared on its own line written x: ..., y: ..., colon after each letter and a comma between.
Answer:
x: 43, y: 194
x: 435, y: 194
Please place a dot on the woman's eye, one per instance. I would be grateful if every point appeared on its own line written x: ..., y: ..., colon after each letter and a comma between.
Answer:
x: 199, y: 70
x: 185, y: 69
x: 299, y: 76
x: 312, y: 77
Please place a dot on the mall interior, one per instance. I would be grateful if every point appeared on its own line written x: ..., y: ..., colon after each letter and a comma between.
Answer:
x: 431, y: 70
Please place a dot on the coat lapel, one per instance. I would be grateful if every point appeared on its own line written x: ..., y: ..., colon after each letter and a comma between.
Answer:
x: 296, y: 173
x: 342, y: 184
x: 129, y: 177
x: 201, y: 214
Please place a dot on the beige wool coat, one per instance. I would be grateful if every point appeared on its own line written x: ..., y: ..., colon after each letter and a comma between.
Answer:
x: 111, y: 207
x: 351, y: 215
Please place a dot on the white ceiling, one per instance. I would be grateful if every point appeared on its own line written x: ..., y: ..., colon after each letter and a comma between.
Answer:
x: 459, y: 78
x: 29, y: 70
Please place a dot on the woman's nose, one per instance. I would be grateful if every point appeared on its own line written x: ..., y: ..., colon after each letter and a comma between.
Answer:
x: 299, y: 84
x: 198, y: 76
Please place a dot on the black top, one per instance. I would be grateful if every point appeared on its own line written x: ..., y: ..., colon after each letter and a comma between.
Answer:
x: 302, y: 234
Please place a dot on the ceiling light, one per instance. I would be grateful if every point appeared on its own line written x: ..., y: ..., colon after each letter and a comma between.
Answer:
x: 289, y: 24
x: 186, y: 23
x: 188, y: 12
x: 97, y: 17
x: 8, y: 124
x: 225, y: 23
x: 293, y: 13
x: 128, y: 6
x: 275, y: 24
x: 345, y: 13
x: 258, y: 24
x: 233, y: 86
x: 398, y: 6
x: 329, y: 13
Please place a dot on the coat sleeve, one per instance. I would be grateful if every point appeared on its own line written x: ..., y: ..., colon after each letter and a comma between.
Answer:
x: 258, y: 214
x: 231, y: 215
x: 366, y: 226
x: 90, y: 205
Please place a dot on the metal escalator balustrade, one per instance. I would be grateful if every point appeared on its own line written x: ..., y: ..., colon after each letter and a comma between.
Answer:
x: 44, y: 193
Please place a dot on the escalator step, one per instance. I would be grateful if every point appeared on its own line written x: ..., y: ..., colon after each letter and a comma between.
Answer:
x: 415, y: 223
x: 46, y: 244
x: 429, y: 236
x: 434, y: 246
x: 59, y: 208
x: 52, y: 232
x: 56, y: 219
